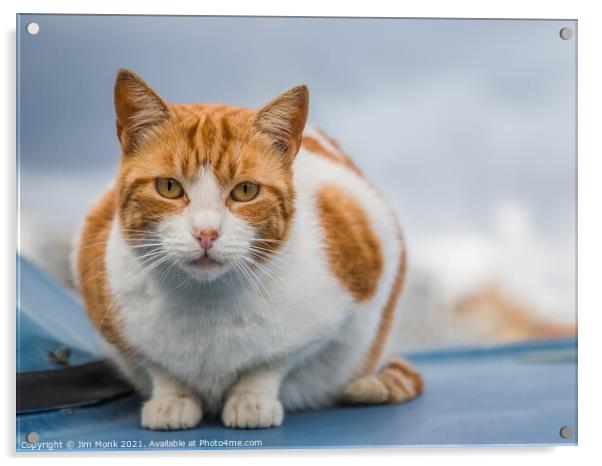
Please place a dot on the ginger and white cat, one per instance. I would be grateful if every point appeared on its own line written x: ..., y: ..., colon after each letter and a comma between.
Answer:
x: 240, y: 265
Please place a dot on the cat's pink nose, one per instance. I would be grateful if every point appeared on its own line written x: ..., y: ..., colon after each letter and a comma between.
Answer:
x: 206, y: 238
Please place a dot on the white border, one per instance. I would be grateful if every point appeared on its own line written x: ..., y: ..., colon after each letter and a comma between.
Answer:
x: 590, y: 226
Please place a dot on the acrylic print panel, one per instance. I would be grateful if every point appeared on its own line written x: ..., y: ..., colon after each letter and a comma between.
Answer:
x: 211, y: 219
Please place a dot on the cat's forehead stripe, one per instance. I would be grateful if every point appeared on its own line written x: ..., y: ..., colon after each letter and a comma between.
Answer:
x: 213, y: 136
x: 192, y: 131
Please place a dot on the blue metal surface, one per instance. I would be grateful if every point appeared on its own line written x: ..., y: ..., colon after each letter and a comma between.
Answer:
x: 49, y: 317
x: 514, y: 394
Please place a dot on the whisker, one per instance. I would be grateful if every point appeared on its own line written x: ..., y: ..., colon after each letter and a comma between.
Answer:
x: 114, y: 301
x: 254, y: 279
x: 268, y: 258
x: 268, y: 240
x: 103, y: 271
x: 261, y: 267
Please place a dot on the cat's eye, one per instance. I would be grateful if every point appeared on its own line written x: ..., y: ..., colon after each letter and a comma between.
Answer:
x: 169, y: 188
x: 245, y: 191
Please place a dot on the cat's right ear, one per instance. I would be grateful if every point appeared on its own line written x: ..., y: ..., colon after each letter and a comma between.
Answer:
x: 283, y: 121
x: 139, y: 109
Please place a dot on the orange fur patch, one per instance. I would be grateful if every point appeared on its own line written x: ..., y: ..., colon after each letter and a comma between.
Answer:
x: 387, y: 317
x: 314, y: 146
x: 353, y: 249
x: 92, y: 272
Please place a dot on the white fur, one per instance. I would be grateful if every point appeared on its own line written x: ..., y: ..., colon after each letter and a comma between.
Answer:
x: 292, y: 340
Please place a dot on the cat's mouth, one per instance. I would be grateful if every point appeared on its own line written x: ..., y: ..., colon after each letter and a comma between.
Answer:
x: 205, y: 261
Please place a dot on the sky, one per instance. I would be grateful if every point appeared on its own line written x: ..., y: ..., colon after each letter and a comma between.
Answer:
x: 467, y: 126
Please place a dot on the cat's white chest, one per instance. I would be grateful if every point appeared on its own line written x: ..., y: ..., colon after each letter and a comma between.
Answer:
x: 207, y: 340
x: 193, y: 337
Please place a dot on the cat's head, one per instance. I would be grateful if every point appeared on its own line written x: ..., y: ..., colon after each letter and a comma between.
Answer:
x: 208, y: 188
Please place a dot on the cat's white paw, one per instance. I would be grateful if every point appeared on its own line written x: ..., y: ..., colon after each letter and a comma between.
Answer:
x: 171, y: 412
x: 252, y: 411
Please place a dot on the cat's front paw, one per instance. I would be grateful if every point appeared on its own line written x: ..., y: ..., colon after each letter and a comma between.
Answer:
x: 252, y: 411
x: 171, y: 412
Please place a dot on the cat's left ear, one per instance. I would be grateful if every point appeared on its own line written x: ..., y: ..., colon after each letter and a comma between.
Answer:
x: 283, y: 121
x: 138, y: 109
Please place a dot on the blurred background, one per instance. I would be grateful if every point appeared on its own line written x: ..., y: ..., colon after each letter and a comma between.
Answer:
x: 467, y: 126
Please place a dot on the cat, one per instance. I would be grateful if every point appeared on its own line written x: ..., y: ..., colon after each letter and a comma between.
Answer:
x: 241, y: 264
